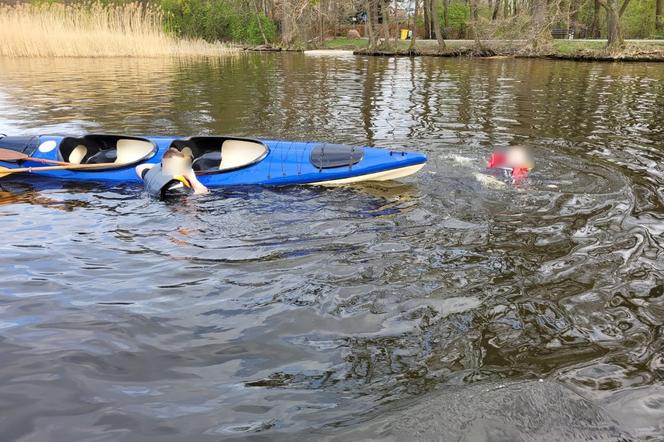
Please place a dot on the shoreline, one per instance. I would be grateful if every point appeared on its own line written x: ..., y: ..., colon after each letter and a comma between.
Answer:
x: 488, y: 53
x: 656, y: 57
x: 571, y: 50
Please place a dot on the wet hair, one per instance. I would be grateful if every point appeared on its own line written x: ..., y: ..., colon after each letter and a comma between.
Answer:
x: 173, y: 153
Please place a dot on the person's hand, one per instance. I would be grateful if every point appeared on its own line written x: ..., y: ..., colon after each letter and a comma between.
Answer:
x: 198, y: 187
x: 201, y: 190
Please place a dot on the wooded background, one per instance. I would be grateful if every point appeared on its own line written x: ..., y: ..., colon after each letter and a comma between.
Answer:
x: 309, y: 23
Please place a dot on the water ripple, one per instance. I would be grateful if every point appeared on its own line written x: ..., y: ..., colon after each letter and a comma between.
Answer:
x: 449, y: 303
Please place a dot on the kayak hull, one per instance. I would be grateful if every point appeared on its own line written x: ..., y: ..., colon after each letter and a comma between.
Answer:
x: 279, y: 163
x: 387, y: 175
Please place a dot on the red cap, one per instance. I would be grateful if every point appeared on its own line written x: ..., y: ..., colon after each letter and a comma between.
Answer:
x: 497, y: 159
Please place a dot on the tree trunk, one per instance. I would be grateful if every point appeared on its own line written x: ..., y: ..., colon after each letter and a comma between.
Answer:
x: 659, y: 15
x: 473, y: 9
x: 615, y: 41
x: 369, y: 25
x: 413, y: 39
x: 432, y: 23
x: 614, y: 38
x: 446, y: 17
x: 575, y: 5
x: 260, y: 23
x: 321, y: 23
x: 436, y: 24
x: 473, y: 26
x: 335, y: 17
x: 397, y: 34
x: 539, y: 30
x: 286, y: 28
x: 594, y: 26
x: 539, y: 14
x: 496, y: 8
x: 427, y: 19
x: 386, y: 22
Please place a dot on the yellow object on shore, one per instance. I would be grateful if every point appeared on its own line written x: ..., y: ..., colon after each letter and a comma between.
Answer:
x: 404, y: 34
x: 93, y: 30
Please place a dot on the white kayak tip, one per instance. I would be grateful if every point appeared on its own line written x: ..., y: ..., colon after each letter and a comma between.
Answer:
x: 328, y: 53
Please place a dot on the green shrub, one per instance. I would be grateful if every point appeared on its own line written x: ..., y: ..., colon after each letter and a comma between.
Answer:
x: 214, y: 20
x: 246, y: 29
x: 639, y: 19
x: 458, y: 16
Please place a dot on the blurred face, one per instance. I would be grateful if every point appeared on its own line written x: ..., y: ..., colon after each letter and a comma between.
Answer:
x: 518, y: 156
x: 176, y: 163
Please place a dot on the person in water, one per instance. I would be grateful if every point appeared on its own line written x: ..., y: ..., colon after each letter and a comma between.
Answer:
x: 515, y: 160
x: 175, y: 169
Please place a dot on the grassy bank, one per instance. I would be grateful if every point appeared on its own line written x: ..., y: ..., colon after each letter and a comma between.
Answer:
x: 583, y: 50
x: 636, y: 50
x: 96, y: 30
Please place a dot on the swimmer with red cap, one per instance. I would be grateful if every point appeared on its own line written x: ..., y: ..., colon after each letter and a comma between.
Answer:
x: 514, y: 163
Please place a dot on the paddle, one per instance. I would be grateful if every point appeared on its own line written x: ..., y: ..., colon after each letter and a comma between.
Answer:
x: 12, y: 155
x: 4, y: 171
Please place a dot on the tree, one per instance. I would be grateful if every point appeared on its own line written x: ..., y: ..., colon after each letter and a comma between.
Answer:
x: 413, y: 38
x: 436, y: 24
x: 384, y: 10
x: 496, y: 8
x: 594, y: 26
x: 574, y: 6
x: 259, y: 19
x: 426, y: 12
x: 539, y: 17
x: 371, y: 31
x: 473, y: 9
x: 615, y: 40
x: 659, y: 12
x: 540, y: 27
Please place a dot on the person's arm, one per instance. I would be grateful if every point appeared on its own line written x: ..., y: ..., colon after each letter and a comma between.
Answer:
x: 198, y: 187
x: 142, y: 168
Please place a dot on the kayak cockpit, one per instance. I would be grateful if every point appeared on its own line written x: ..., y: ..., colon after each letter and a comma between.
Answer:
x: 103, y: 149
x: 330, y: 156
x: 22, y: 144
x: 222, y: 154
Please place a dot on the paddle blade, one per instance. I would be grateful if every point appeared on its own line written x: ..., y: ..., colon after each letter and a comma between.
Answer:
x: 4, y: 173
x: 11, y: 155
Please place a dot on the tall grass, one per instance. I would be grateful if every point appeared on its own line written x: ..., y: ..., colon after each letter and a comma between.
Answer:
x: 92, y: 30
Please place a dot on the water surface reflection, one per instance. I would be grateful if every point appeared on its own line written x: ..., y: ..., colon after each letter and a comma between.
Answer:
x: 428, y: 307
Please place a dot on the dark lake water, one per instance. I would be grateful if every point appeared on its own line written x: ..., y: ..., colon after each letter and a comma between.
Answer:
x: 445, y: 307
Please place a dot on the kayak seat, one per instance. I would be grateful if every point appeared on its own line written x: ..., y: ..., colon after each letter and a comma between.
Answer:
x: 129, y: 151
x: 126, y: 152
x: 238, y: 153
x: 103, y: 156
x: 77, y: 154
x: 102, y: 149
x: 207, y: 161
x: 221, y: 154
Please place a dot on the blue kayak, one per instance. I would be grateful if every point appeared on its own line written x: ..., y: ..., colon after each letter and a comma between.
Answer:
x: 217, y: 160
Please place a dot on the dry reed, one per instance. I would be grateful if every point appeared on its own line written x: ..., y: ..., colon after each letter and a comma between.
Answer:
x: 93, y: 30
